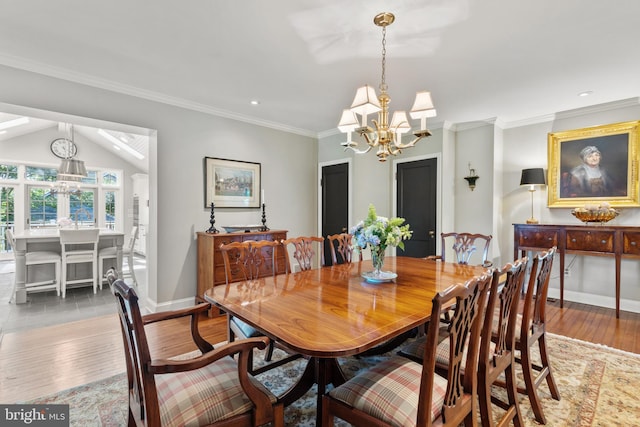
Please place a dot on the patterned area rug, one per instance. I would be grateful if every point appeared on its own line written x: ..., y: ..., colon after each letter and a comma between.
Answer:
x: 597, y: 386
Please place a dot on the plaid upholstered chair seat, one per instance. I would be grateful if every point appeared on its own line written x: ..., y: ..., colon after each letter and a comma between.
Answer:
x: 204, y: 396
x: 389, y: 392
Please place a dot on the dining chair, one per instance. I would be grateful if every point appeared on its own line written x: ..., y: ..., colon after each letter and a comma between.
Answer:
x: 79, y: 247
x: 249, y: 260
x: 531, y: 331
x: 496, y: 355
x: 464, y: 246
x: 110, y: 253
x: 342, y: 249
x: 34, y: 258
x: 202, y: 388
x: 403, y: 392
x: 306, y: 252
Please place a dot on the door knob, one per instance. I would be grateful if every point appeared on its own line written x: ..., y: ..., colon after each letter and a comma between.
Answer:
x: 432, y: 233
x: 344, y: 229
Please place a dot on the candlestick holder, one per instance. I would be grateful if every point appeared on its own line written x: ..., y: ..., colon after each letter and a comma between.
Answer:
x: 264, y: 220
x: 212, y: 221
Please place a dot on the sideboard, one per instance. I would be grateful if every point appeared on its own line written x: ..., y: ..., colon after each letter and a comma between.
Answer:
x: 592, y: 240
x: 211, y: 263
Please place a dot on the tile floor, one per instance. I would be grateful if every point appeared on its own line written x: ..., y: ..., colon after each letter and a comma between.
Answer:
x: 46, y: 308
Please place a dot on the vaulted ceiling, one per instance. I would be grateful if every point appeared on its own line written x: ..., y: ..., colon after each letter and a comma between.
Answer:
x: 303, y: 59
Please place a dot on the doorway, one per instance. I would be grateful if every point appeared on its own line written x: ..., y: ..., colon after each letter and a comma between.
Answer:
x: 416, y: 202
x: 335, y: 201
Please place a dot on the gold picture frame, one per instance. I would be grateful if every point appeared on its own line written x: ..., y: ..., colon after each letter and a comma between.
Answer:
x: 231, y: 183
x: 613, y: 179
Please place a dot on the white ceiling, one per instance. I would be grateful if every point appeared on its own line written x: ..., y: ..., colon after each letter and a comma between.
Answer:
x: 304, y: 59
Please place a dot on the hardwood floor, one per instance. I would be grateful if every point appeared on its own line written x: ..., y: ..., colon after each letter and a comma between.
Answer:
x: 38, y: 362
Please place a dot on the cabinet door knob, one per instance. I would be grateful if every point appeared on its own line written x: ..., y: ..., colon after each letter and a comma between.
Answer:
x: 525, y: 237
x: 633, y: 243
x: 603, y: 242
x: 573, y: 240
x: 549, y: 239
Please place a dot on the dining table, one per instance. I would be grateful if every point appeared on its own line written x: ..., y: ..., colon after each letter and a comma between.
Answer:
x: 48, y: 239
x: 333, y: 311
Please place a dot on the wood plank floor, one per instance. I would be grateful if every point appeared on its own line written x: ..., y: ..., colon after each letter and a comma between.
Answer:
x: 38, y: 362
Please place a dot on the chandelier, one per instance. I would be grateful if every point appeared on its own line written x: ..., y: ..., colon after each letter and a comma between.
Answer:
x: 386, y: 136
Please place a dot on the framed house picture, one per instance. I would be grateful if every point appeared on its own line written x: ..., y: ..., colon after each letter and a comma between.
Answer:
x: 231, y: 183
x: 594, y: 165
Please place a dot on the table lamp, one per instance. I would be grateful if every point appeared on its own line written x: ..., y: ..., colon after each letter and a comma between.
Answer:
x: 532, y: 177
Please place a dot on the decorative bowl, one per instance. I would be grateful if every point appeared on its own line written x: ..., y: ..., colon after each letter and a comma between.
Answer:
x: 599, y: 215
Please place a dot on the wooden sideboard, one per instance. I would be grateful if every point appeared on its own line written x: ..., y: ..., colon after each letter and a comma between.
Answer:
x: 592, y: 240
x: 211, y: 264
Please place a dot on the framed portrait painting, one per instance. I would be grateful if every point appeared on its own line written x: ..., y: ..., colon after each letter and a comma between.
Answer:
x: 594, y: 165
x: 231, y: 183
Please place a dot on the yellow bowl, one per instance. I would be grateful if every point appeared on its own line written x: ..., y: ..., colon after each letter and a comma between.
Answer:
x: 595, y: 216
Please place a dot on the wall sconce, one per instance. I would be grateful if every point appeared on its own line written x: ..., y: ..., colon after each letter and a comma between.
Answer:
x: 531, y: 178
x: 472, y: 178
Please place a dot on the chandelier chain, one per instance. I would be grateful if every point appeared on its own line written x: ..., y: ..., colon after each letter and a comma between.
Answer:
x: 383, y: 84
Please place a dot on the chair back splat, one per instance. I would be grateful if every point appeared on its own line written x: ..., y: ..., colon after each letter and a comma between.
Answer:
x: 209, y: 389
x: 464, y: 246
x: 305, y: 251
x: 342, y: 249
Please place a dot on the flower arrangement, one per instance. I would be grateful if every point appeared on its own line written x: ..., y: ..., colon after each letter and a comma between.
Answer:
x: 378, y: 232
x: 64, y: 222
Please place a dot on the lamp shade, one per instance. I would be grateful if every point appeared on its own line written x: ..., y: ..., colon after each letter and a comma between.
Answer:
x: 348, y: 121
x: 399, y: 122
x: 422, y: 106
x: 71, y: 170
x: 534, y: 176
x: 365, y: 102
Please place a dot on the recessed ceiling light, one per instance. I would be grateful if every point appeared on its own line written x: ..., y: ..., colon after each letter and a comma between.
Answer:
x: 255, y: 102
x: 585, y: 93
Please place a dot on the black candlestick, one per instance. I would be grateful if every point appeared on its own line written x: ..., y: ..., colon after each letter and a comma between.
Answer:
x: 264, y: 220
x: 212, y: 221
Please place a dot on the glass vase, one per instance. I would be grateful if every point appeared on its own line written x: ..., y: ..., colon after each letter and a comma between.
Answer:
x: 377, y: 259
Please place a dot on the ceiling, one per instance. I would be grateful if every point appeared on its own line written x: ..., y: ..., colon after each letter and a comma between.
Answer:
x: 304, y: 59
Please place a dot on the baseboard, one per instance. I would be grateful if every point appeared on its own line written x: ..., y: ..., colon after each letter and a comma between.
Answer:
x: 597, y: 300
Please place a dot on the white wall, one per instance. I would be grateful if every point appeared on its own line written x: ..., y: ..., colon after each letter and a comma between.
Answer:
x: 184, y: 138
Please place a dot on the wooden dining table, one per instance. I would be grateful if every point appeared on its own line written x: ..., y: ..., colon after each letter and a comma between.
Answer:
x: 333, y: 312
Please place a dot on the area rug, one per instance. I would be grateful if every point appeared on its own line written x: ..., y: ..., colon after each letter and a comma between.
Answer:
x: 597, y: 386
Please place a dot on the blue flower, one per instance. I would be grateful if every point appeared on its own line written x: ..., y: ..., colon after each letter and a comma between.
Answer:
x: 380, y: 231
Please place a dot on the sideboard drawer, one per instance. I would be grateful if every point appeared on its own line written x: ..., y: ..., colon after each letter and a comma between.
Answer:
x: 595, y: 241
x: 543, y: 239
x: 631, y: 243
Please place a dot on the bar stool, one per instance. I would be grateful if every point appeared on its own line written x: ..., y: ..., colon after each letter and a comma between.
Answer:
x: 79, y: 247
x: 112, y: 253
x: 38, y: 258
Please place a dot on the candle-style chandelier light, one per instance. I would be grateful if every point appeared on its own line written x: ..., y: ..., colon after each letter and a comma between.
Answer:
x: 386, y: 136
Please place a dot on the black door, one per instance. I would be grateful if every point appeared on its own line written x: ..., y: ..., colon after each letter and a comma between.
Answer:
x: 416, y: 191
x: 335, y: 203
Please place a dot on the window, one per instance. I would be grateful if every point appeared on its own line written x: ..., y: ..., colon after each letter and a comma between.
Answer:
x: 43, y: 207
x: 110, y: 209
x: 8, y: 172
x: 82, y: 208
x: 7, y: 213
x: 41, y: 174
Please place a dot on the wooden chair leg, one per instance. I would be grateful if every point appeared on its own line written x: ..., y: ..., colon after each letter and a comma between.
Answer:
x: 530, y: 382
x: 484, y: 397
x: 269, y: 352
x: 553, y: 388
x: 512, y: 397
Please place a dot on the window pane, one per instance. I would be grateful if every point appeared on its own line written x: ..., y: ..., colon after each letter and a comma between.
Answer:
x: 110, y: 209
x: 43, y: 207
x: 110, y: 178
x: 81, y: 208
x: 8, y: 172
x: 7, y: 204
x: 91, y: 178
x: 41, y: 174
